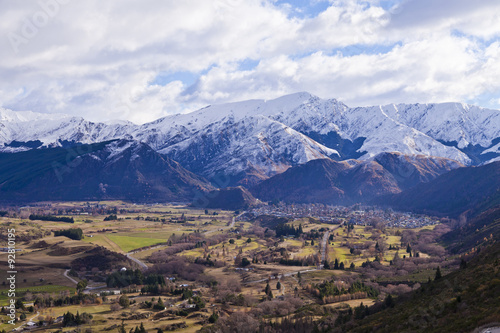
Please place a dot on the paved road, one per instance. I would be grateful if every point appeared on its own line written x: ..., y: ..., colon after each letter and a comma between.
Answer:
x: 284, y: 275
x: 324, y: 241
x: 491, y: 330
x: 225, y: 228
x: 323, y: 248
x: 234, y: 221
x: 69, y: 277
x: 90, y: 290
x: 27, y: 321
x: 140, y: 263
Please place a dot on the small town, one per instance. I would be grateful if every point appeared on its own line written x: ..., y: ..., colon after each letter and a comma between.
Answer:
x: 357, y: 215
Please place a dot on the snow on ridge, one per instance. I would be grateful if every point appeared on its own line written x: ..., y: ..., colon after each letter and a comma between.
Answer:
x: 406, y: 128
x: 493, y: 149
x: 463, y: 123
x: 116, y: 148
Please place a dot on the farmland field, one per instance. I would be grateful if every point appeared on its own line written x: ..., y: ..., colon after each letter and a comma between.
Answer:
x: 129, y: 243
x: 204, y: 250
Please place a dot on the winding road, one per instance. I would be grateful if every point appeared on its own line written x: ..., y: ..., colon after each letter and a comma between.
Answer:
x: 283, y: 275
x: 137, y: 261
x: 27, y: 321
x: 69, y: 277
x: 227, y: 227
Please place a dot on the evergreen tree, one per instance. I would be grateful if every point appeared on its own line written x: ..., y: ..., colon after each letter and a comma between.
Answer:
x: 78, y: 318
x: 278, y: 285
x: 395, y: 259
x: 438, y: 274
x: 336, y: 264
x: 268, y: 289
x: 213, y: 318
x: 159, y: 305
x: 389, y: 301
x: 19, y: 304
x: 122, y: 328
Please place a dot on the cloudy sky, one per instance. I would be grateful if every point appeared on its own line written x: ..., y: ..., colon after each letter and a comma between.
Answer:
x: 141, y: 60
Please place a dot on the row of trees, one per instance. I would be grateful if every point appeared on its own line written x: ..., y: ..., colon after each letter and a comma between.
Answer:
x: 124, y: 279
x: 73, y: 233
x: 51, y: 218
x: 69, y: 319
x: 287, y: 229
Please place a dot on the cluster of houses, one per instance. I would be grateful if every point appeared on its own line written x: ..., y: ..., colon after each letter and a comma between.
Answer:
x: 357, y: 214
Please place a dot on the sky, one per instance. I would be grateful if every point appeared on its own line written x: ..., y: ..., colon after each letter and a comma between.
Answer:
x: 142, y: 60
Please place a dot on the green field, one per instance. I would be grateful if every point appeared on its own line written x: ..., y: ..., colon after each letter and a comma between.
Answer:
x: 306, y: 251
x: 35, y: 289
x: 245, y: 247
x: 129, y: 243
x: 340, y: 253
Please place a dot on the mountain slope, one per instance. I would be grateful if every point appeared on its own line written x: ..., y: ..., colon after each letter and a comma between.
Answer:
x: 120, y: 169
x: 230, y: 198
x: 476, y: 231
x: 453, y: 193
x: 249, y: 150
x: 346, y: 182
x: 315, y: 181
x: 252, y: 140
x: 410, y: 170
x: 458, y: 302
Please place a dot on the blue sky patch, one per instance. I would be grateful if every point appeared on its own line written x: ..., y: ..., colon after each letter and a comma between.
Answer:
x: 358, y: 49
x: 248, y: 64
x: 187, y: 78
x: 304, y: 8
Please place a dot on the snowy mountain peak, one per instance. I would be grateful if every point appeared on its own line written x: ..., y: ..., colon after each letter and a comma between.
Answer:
x: 252, y: 140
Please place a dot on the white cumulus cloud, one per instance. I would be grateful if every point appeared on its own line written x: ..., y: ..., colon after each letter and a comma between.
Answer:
x: 101, y: 59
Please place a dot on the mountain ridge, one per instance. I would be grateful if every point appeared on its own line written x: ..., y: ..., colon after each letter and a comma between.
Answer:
x: 348, y: 182
x: 253, y: 140
x: 117, y: 169
x: 467, y: 189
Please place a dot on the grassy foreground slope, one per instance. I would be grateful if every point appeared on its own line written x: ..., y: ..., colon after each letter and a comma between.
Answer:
x: 458, y: 302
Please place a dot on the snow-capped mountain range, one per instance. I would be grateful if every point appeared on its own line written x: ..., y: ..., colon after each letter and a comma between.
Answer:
x: 255, y: 139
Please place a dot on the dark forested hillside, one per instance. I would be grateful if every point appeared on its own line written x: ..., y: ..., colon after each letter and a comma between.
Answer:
x: 473, y: 189
x: 123, y: 169
x: 458, y: 302
x: 330, y: 182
